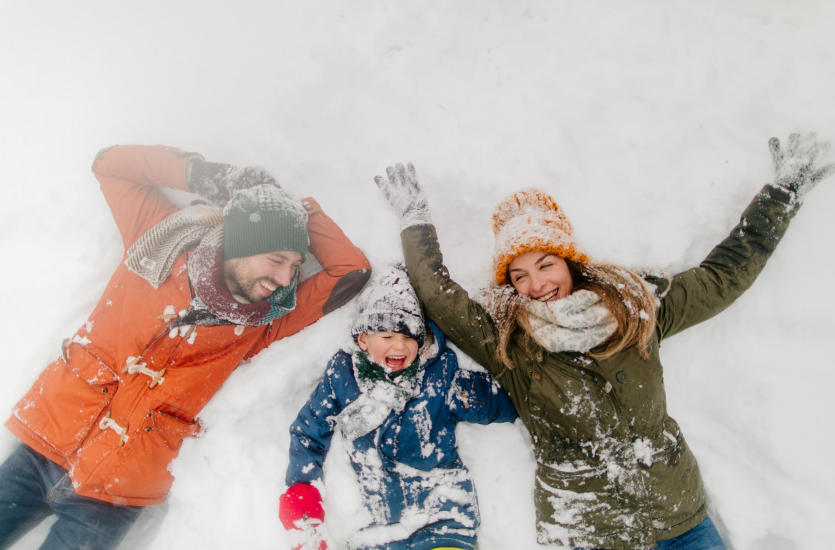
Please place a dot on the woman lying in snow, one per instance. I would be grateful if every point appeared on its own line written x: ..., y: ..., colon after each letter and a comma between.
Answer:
x: 396, y: 400
x: 576, y: 346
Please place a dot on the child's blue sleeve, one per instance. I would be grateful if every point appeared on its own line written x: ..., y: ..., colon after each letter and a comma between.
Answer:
x: 475, y: 397
x: 311, y: 432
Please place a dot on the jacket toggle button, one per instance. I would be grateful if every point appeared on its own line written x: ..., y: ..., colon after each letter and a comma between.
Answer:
x: 107, y: 422
x: 133, y: 366
x: 621, y: 376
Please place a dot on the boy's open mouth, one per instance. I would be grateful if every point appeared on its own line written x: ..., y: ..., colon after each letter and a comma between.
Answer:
x: 395, y: 362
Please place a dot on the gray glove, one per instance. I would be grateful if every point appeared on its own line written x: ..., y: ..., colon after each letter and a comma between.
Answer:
x: 794, y: 165
x: 404, y: 194
x: 217, y: 182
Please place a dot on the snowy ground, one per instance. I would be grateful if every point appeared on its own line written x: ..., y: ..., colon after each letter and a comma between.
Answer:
x: 646, y: 120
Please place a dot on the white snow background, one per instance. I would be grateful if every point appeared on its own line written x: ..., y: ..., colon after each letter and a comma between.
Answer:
x: 647, y: 120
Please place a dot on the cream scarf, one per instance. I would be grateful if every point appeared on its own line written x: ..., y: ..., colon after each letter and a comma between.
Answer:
x: 378, y: 398
x: 153, y: 254
x: 578, y: 322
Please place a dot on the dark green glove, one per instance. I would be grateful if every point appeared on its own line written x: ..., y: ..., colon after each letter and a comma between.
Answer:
x: 794, y: 165
x: 217, y: 181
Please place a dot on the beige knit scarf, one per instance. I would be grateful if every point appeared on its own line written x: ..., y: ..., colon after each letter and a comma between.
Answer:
x: 578, y: 322
x: 152, y: 256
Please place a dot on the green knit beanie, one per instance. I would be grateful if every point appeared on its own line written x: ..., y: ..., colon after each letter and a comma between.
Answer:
x: 262, y: 219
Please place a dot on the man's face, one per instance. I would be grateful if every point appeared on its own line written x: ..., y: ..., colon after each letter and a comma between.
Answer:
x: 256, y: 277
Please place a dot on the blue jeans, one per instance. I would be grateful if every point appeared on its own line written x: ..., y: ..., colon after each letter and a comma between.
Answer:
x: 32, y: 487
x: 704, y: 536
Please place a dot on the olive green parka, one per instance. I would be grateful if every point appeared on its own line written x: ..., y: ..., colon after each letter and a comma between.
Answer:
x: 612, y: 467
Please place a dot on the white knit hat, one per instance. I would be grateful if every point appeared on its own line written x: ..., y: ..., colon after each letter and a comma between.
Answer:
x: 388, y: 303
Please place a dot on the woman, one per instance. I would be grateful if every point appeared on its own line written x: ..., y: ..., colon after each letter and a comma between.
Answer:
x: 576, y: 346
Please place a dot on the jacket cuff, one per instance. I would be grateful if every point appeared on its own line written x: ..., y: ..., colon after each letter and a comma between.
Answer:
x: 310, y: 205
x: 781, y: 194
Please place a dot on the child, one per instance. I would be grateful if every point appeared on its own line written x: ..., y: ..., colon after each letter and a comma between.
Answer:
x: 396, y: 400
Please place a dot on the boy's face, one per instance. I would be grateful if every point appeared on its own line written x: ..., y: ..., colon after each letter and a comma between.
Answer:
x: 391, y: 350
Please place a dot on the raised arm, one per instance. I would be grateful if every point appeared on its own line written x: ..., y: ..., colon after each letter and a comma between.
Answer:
x: 734, y: 264
x: 464, y: 321
x: 130, y: 178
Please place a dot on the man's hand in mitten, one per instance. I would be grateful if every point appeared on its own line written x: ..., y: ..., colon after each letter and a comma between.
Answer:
x: 217, y: 182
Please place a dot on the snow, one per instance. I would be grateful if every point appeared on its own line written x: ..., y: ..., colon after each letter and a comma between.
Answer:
x: 647, y: 121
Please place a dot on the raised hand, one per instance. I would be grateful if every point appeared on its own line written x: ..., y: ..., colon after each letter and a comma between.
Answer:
x: 795, y: 164
x: 404, y: 194
x: 217, y: 181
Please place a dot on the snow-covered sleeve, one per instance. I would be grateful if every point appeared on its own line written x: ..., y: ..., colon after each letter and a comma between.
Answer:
x: 311, y: 432
x: 475, y: 397
x: 463, y: 320
x: 731, y: 267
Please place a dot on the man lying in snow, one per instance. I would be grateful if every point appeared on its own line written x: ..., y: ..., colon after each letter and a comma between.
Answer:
x: 396, y: 401
x: 201, y: 289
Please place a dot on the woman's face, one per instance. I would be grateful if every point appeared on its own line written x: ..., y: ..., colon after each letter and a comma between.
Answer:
x: 541, y: 276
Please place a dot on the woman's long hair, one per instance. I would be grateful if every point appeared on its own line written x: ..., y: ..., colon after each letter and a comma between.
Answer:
x: 628, y: 297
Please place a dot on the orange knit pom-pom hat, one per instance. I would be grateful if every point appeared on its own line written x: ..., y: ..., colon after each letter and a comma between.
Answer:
x: 530, y: 220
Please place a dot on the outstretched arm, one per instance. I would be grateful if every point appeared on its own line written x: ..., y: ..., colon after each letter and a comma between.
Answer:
x: 300, y: 506
x: 311, y: 433
x: 463, y: 320
x: 475, y: 397
x: 131, y: 175
x: 733, y: 265
x: 130, y: 178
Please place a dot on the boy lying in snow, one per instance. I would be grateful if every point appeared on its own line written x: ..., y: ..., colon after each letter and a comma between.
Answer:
x: 396, y: 400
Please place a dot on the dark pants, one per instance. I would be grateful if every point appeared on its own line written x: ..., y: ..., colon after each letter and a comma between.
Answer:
x: 32, y: 487
x: 704, y: 536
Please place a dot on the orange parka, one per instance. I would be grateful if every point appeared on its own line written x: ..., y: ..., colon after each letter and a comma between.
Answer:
x: 117, y: 431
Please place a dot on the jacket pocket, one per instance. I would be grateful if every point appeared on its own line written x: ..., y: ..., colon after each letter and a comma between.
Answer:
x: 170, y: 429
x: 65, y: 402
x: 140, y: 469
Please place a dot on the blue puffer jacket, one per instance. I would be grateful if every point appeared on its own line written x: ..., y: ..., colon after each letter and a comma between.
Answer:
x: 413, y: 482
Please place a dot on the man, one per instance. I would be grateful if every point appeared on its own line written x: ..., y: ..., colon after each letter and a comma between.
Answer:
x: 201, y: 289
